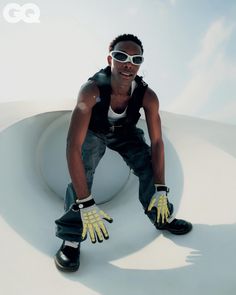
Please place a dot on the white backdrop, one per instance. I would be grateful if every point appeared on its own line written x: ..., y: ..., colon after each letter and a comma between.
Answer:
x: 189, y: 49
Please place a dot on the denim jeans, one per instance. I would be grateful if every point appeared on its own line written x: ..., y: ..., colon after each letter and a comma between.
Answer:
x: 131, y: 145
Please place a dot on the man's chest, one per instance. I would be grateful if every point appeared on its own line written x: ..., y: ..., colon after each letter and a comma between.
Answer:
x: 119, y: 103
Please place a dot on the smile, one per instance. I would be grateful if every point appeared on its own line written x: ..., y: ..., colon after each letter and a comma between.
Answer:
x: 126, y: 74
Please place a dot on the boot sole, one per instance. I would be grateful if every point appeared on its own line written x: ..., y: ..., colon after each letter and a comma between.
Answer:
x: 176, y: 232
x: 64, y: 268
x: 179, y: 233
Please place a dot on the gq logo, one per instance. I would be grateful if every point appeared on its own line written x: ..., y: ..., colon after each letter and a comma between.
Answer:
x: 28, y: 13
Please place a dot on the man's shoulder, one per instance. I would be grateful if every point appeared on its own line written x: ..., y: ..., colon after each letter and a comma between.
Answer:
x: 150, y: 98
x: 89, y: 88
x: 88, y: 95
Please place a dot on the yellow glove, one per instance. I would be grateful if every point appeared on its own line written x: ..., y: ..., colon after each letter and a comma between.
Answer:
x: 92, y: 218
x: 160, y: 202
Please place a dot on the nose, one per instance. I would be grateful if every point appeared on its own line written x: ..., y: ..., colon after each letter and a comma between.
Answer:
x: 128, y: 65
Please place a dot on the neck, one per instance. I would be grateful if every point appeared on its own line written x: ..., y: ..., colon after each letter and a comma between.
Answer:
x: 120, y: 89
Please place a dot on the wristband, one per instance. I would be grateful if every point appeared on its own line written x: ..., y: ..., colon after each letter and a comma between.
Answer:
x: 85, y: 203
x: 161, y: 187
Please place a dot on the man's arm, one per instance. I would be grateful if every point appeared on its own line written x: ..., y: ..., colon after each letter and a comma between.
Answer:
x: 151, y: 109
x: 76, y: 135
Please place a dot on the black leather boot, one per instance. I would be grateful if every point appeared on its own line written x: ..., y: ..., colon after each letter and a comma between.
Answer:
x: 67, y: 258
x: 176, y: 227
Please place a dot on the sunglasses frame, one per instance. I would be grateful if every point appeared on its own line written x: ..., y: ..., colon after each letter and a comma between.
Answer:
x: 129, y: 58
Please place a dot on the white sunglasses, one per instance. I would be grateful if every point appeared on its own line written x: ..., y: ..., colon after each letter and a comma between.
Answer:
x: 124, y: 57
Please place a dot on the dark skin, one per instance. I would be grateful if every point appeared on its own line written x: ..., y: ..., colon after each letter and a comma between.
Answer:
x: 122, y: 75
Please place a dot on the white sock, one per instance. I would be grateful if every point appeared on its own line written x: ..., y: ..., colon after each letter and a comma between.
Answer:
x: 72, y: 244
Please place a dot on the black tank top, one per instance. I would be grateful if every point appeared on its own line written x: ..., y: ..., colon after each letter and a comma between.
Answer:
x: 99, y: 118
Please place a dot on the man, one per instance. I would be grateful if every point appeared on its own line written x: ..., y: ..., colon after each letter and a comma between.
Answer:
x: 105, y: 116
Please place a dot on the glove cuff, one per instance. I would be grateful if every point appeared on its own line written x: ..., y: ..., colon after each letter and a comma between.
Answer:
x: 85, y: 203
x: 162, y: 187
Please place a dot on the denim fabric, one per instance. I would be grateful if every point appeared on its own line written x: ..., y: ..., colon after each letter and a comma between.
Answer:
x: 131, y: 145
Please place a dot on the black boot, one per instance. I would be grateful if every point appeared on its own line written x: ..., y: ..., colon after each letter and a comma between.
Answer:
x: 67, y: 258
x: 176, y: 227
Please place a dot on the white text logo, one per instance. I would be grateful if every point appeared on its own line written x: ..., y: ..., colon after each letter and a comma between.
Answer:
x: 28, y: 13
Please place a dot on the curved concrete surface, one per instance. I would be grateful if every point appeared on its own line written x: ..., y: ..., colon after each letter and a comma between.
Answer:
x: 52, y: 164
x: 200, y: 169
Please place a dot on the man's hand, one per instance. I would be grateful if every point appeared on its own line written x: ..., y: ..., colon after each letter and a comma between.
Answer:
x: 92, y: 218
x: 160, y: 202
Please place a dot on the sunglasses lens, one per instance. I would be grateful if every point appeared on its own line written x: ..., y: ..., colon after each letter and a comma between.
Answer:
x: 137, y: 60
x: 119, y: 56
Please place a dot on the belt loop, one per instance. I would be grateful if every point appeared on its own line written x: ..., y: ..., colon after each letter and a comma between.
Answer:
x: 112, y: 128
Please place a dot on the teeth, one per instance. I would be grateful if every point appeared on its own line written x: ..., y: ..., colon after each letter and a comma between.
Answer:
x: 126, y: 74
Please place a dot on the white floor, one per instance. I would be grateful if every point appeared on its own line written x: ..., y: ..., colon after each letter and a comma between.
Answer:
x: 201, y: 172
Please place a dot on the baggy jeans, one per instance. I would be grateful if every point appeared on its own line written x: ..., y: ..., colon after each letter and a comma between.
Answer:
x: 131, y: 145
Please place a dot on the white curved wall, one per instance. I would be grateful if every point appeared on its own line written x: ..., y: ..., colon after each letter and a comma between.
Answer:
x: 200, y: 167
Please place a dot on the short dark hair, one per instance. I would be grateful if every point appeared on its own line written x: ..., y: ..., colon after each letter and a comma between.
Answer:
x: 125, y: 37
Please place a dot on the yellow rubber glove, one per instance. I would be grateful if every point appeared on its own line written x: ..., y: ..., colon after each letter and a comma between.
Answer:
x: 92, y: 218
x: 160, y: 202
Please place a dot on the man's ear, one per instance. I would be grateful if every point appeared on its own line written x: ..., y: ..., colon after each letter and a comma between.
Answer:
x: 109, y: 58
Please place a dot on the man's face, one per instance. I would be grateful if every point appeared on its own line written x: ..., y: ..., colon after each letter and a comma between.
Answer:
x: 125, y: 71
